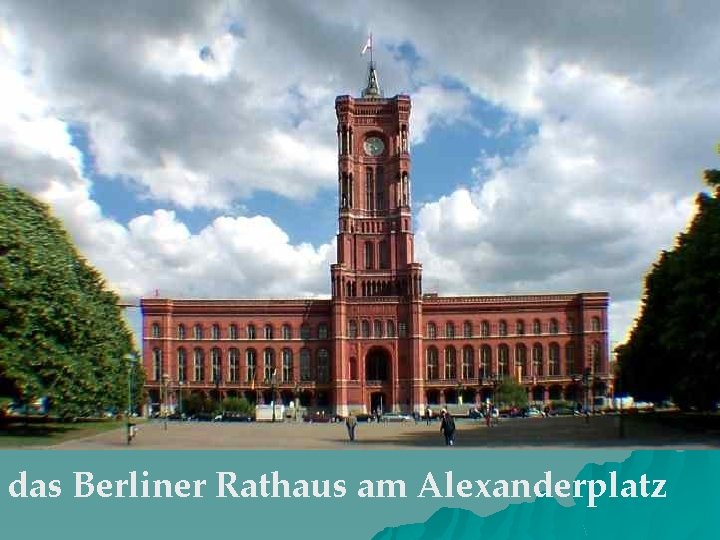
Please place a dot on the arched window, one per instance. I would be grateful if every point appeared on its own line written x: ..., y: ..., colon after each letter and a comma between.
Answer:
x: 322, y: 331
x: 234, y: 365
x: 216, y: 370
x: 595, y: 324
x: 520, y: 327
x: 182, y: 365
x: 233, y: 332
x: 390, y: 325
x: 449, y: 329
x: 365, y: 328
x: 181, y: 331
x: 323, y: 366
x: 251, y: 333
x: 268, y: 364
x: 402, y: 329
x: 521, y: 359
x: 570, y: 359
x: 450, y: 363
x: 468, y: 363
x: 467, y: 329
x: 155, y: 330
x: 384, y: 255
x: 251, y: 361
x: 503, y: 361
x: 570, y: 325
x: 554, y: 326
x: 596, y: 355
x: 484, y: 329
x: 268, y: 331
x: 485, y: 361
x: 197, y: 332
x: 431, y: 366
x: 502, y: 328
x: 352, y: 368
x: 198, y: 365
x: 157, y: 364
x: 378, y: 328
x: 537, y: 328
x: 286, y: 332
x: 554, y: 359
x: 537, y: 353
x: 215, y: 331
x: 352, y: 329
x: 305, y: 331
x: 369, y: 256
x: 287, y: 365
x: 431, y: 330
x: 305, y: 367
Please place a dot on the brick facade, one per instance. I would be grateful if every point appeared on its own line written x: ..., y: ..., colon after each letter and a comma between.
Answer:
x: 378, y: 342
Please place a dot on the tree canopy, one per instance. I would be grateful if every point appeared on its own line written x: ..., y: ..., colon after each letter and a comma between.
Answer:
x: 62, y: 334
x: 674, y: 348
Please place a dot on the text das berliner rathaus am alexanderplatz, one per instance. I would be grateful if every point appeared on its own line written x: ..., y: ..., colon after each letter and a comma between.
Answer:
x: 446, y: 485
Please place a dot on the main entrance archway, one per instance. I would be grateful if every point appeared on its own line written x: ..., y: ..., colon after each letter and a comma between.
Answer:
x: 377, y: 365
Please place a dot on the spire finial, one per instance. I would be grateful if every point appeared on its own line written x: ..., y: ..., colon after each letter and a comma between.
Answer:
x: 372, y: 90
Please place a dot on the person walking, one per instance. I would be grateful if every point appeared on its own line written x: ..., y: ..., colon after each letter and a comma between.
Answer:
x: 428, y: 415
x: 351, y: 424
x: 447, y: 427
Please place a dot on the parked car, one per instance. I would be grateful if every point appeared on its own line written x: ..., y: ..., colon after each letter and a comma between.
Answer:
x: 396, y: 417
x: 237, y: 417
x: 533, y: 413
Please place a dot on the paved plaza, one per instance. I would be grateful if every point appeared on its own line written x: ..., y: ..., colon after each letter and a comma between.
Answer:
x: 560, y: 432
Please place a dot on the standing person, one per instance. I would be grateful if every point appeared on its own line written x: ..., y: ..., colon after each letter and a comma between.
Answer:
x: 447, y: 426
x: 351, y: 424
x: 428, y: 415
x: 488, y: 415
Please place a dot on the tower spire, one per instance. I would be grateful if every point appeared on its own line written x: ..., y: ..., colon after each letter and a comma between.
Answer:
x: 372, y: 90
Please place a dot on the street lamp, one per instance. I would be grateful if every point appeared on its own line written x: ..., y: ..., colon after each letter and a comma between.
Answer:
x: 164, y: 400
x: 131, y: 368
x: 272, y: 381
x: 180, y: 404
x: 586, y: 386
x: 296, y: 393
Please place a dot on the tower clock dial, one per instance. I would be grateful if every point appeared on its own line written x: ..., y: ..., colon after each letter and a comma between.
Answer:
x: 374, y: 146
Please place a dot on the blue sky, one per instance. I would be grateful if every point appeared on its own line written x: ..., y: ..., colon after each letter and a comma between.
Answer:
x: 557, y: 147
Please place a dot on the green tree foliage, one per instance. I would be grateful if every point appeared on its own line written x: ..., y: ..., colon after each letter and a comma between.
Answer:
x: 62, y: 334
x: 511, y: 393
x: 674, y: 349
x: 241, y: 405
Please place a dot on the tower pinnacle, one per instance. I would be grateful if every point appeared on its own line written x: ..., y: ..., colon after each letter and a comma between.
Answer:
x: 372, y: 90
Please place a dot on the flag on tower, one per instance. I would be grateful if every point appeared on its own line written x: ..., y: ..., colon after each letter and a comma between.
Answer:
x: 368, y: 45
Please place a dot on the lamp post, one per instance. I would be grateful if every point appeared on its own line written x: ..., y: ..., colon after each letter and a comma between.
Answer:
x: 586, y: 386
x: 272, y: 381
x: 296, y: 393
x: 180, y: 404
x: 164, y: 400
x: 131, y: 368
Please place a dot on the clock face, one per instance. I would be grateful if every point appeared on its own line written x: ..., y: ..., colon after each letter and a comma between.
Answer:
x: 374, y: 146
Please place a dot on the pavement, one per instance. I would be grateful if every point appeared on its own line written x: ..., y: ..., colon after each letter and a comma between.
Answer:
x: 551, y: 433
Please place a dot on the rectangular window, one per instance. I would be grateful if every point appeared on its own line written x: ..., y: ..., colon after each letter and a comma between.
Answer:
x: 402, y: 329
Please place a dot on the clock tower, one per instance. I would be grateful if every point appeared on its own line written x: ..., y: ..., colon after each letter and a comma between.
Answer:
x: 376, y: 285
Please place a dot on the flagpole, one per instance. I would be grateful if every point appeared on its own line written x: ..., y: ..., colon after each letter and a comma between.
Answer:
x: 371, y: 50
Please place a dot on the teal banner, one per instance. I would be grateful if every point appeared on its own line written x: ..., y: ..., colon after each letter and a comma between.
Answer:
x: 360, y: 494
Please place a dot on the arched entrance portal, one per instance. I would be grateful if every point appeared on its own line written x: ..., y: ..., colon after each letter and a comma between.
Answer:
x: 377, y: 365
x: 379, y: 402
x: 378, y: 377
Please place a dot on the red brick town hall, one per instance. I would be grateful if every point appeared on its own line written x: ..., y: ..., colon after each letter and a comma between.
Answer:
x: 378, y: 342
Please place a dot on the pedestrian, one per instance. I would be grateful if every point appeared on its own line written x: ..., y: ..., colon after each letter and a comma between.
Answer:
x: 428, y: 415
x: 447, y: 427
x: 488, y: 416
x: 351, y: 424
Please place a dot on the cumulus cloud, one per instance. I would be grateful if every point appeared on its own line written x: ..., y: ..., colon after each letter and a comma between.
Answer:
x: 203, y: 105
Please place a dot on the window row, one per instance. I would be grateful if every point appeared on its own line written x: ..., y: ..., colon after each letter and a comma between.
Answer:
x: 249, y: 367
x: 502, y: 329
x: 498, y: 362
x: 377, y: 329
x: 251, y: 332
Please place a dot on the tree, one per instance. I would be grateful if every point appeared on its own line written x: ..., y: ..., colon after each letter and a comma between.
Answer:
x: 511, y: 393
x: 62, y: 334
x: 673, y: 350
